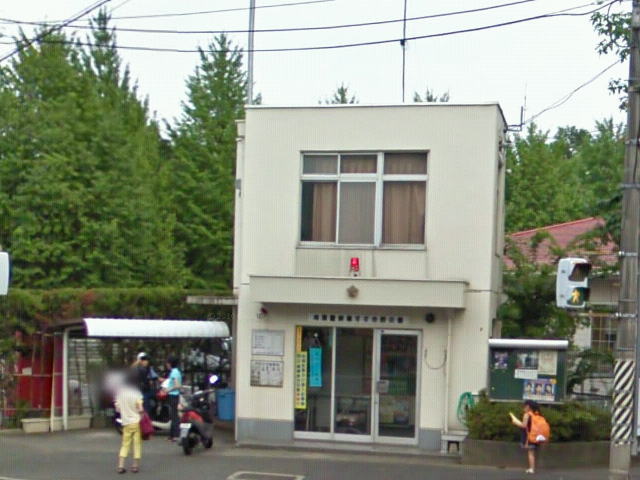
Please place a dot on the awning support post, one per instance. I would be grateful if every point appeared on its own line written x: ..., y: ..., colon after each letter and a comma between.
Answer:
x: 65, y: 379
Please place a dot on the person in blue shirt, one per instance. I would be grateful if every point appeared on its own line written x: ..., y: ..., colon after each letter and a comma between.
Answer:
x: 172, y: 387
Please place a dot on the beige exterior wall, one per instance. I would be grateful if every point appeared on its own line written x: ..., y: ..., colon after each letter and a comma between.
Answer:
x: 463, y: 242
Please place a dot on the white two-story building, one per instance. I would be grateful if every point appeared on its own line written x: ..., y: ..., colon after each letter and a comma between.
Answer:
x: 368, y: 260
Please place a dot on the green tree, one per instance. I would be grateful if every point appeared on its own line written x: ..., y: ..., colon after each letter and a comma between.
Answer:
x: 431, y: 96
x: 43, y: 97
x: 203, y: 169
x: 530, y: 310
x: 600, y: 168
x: 132, y: 167
x: 342, y: 95
x: 541, y: 184
x: 81, y: 172
x: 614, y: 30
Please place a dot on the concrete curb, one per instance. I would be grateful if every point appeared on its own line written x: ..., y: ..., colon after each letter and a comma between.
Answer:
x: 224, y: 425
x: 349, y: 449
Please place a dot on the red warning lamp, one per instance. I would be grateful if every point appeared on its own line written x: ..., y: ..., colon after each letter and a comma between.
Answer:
x: 354, y: 265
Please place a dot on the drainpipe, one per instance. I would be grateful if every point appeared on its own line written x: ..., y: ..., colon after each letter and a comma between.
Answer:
x: 447, y: 374
x: 65, y: 378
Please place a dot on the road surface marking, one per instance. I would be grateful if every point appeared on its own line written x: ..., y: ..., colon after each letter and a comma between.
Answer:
x: 263, y: 476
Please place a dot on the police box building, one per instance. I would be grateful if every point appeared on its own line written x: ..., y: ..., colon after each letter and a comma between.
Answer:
x: 368, y: 260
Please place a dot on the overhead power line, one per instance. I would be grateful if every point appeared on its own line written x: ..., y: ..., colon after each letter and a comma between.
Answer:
x: 207, y: 12
x: 568, y: 96
x: 298, y: 29
x: 120, y: 5
x: 49, y: 31
x: 344, y: 45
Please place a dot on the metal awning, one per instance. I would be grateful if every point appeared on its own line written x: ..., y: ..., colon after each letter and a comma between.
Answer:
x: 146, y: 328
x: 528, y: 343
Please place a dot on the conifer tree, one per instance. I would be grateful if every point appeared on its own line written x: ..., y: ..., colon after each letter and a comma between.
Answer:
x: 80, y: 166
x: 203, y: 170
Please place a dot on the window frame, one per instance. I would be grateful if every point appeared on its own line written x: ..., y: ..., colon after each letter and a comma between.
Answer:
x: 378, y: 179
x: 602, y: 325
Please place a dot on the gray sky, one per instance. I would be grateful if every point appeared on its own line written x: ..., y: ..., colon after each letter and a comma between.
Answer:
x: 545, y: 58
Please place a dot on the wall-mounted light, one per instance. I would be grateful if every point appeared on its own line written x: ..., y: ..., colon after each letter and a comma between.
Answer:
x: 354, y: 266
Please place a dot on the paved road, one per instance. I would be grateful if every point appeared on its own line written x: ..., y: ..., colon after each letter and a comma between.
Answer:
x: 91, y: 455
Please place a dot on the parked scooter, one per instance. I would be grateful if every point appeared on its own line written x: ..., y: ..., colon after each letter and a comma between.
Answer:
x: 196, y: 421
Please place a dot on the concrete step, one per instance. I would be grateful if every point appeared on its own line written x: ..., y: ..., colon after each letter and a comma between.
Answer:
x: 358, y: 448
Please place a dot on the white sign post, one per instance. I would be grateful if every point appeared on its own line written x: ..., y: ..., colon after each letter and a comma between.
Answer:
x: 4, y: 273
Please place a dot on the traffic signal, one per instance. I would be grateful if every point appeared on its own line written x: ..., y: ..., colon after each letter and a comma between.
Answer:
x: 572, y: 283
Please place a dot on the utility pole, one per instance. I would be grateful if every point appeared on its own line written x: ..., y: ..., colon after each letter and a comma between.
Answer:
x: 403, y: 43
x: 622, y: 430
x: 252, y: 21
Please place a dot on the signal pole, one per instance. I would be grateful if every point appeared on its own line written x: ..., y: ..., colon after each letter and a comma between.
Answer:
x: 622, y: 429
x: 252, y: 20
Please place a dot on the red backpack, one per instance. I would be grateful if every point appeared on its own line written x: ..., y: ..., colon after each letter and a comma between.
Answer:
x: 539, y: 428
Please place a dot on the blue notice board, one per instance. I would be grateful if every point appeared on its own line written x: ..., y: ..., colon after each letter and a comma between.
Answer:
x: 315, y: 367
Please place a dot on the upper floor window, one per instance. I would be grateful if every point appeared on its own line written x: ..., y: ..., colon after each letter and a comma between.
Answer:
x: 364, y: 198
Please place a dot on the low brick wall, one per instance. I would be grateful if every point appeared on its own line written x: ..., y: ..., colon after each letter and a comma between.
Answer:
x: 553, y: 455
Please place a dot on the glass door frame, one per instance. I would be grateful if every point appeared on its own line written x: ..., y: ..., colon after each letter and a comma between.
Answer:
x: 373, y: 437
x: 377, y: 357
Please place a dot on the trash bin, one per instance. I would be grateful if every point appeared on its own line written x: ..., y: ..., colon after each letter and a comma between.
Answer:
x: 226, y: 400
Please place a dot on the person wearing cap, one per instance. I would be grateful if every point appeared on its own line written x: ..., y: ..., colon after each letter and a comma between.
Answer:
x: 147, y: 378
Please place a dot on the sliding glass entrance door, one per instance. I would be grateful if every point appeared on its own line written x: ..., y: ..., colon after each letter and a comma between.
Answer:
x: 357, y: 384
x: 396, y: 386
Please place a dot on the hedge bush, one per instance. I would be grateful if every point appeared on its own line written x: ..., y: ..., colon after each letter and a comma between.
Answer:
x: 32, y: 310
x: 571, y: 421
x: 41, y: 308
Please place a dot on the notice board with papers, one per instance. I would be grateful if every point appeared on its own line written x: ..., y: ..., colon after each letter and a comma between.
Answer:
x: 528, y: 369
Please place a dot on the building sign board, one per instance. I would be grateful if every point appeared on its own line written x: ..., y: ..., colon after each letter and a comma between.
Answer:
x: 267, y: 342
x: 300, y: 385
x: 315, y: 367
x: 267, y: 373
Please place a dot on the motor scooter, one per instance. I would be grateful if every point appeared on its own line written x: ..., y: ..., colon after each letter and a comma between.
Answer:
x: 196, y: 420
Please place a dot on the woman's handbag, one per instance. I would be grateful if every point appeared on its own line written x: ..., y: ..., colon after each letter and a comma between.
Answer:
x: 146, y: 427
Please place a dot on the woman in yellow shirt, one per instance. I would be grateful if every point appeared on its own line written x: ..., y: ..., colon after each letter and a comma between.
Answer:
x: 129, y: 404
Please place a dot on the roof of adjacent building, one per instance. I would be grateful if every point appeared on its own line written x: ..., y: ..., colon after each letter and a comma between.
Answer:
x: 567, y: 236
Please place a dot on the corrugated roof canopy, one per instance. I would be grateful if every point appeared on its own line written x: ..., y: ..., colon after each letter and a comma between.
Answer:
x: 145, y: 328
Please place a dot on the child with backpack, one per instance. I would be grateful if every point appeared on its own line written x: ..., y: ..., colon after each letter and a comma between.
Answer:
x: 534, y: 431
